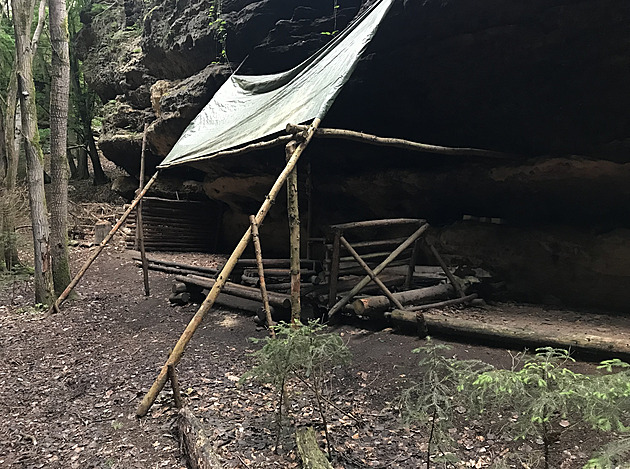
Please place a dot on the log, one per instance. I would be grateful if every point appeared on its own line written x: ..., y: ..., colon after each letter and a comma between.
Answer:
x: 170, y: 270
x: 101, y: 246
x: 101, y: 228
x: 276, y: 272
x: 179, y: 287
x: 278, y: 300
x: 378, y: 223
x: 179, y: 298
x: 474, y: 329
x: 156, y: 260
x: 404, y: 144
x: 194, y: 323
x: 308, y: 449
x: 194, y: 442
x: 442, y: 304
x: 379, y: 304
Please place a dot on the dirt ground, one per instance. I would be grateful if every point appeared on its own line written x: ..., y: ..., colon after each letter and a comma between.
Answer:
x: 70, y: 384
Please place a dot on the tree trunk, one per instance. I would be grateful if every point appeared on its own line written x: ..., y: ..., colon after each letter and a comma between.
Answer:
x: 59, y: 94
x: 308, y: 449
x: 82, y: 164
x: 12, y: 149
x: 22, y: 16
x: 83, y: 103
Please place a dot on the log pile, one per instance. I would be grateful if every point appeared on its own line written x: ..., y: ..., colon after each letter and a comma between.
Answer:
x: 177, y: 225
x: 396, y: 290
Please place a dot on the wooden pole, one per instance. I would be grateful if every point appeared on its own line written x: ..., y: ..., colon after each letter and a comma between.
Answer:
x: 261, y: 274
x: 139, y: 226
x: 334, y: 269
x: 293, y: 213
x: 344, y: 301
x: 95, y: 254
x: 412, y: 265
x: 177, y: 396
x: 309, y: 210
x: 178, y: 350
x: 401, y: 143
x: 371, y: 273
x: 447, y: 271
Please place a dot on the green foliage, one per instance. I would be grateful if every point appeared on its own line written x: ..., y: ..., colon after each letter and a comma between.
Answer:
x: 301, y: 359
x: 7, y: 52
x: 542, y: 395
x: 304, y: 352
x: 437, y: 399
x: 615, y: 454
x: 219, y: 28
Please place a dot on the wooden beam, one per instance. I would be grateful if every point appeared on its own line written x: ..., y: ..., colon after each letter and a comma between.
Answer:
x: 402, y: 143
x: 194, y: 323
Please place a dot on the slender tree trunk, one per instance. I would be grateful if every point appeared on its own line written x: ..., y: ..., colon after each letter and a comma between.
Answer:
x: 72, y: 165
x: 82, y: 164
x: 83, y: 103
x: 59, y: 95
x: 22, y: 16
x: 3, y: 188
x: 11, y: 143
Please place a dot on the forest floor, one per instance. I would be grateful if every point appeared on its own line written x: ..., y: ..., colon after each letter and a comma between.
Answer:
x: 70, y: 383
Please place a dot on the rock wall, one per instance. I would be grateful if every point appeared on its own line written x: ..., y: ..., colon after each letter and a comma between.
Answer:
x: 543, y: 79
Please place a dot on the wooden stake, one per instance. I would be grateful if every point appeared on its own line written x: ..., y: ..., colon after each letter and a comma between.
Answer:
x: 177, y: 396
x: 412, y: 265
x: 293, y: 212
x: 178, y: 350
x: 139, y: 226
x: 447, y: 271
x: 101, y: 246
x: 334, y: 269
x: 261, y: 274
x: 344, y: 301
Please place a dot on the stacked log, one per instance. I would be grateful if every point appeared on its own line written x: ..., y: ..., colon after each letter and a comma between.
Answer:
x: 177, y: 225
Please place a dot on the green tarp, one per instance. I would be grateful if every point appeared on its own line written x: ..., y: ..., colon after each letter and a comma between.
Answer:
x: 248, y: 108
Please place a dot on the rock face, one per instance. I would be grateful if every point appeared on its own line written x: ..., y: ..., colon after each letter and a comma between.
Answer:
x: 543, y: 79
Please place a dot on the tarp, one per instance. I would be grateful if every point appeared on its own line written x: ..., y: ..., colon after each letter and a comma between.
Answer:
x: 248, y: 108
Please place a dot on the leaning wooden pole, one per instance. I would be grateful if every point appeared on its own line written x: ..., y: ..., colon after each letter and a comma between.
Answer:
x: 293, y: 212
x: 178, y: 350
x: 139, y: 225
x: 261, y: 274
x: 95, y: 254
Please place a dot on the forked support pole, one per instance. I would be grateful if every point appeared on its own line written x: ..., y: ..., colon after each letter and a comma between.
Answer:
x: 194, y: 323
x: 64, y: 295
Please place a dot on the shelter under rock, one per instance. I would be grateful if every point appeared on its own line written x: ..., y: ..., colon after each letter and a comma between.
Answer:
x: 544, y: 81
